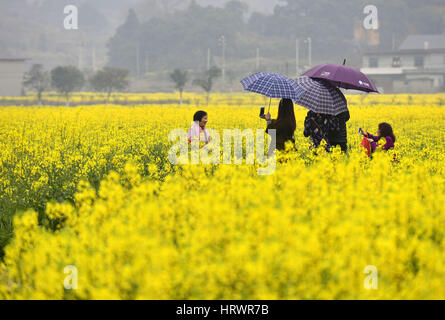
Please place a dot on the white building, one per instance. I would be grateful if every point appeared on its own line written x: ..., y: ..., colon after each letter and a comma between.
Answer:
x: 418, y: 66
x: 11, y: 76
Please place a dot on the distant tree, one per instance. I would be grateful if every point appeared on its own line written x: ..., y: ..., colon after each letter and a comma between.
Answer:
x: 67, y: 79
x: 159, y: 8
x: 184, y: 33
x: 92, y: 17
x: 109, y: 80
x: 37, y: 79
x: 180, y: 79
x: 237, y: 8
x: 206, y: 83
x: 125, y: 46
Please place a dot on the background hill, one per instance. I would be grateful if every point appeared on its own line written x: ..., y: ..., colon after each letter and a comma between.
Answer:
x: 163, y: 34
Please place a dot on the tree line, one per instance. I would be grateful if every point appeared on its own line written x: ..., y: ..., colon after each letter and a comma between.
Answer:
x: 67, y: 79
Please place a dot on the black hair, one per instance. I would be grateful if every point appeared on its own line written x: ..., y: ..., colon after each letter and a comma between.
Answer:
x: 386, y: 131
x: 286, y: 113
x: 199, y: 115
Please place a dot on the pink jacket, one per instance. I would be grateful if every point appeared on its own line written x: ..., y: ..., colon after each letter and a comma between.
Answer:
x: 196, y: 132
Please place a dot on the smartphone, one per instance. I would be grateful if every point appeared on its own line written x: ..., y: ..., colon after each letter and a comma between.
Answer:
x: 262, y: 111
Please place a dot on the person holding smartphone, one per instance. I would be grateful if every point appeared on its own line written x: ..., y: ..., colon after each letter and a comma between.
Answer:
x: 370, y: 142
x: 285, y: 124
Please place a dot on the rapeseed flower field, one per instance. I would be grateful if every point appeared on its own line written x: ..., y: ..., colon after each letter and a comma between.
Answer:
x: 91, y: 188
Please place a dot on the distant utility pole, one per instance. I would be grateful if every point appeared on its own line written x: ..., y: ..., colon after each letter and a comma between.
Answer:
x: 223, y: 44
x: 137, y: 60
x: 297, y: 57
x: 80, y: 62
x: 208, y: 59
x: 146, y: 63
x: 309, y: 42
x: 93, y: 57
x: 257, y: 59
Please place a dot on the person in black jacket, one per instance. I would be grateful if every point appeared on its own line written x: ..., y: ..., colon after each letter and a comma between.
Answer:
x: 340, y: 137
x: 318, y: 126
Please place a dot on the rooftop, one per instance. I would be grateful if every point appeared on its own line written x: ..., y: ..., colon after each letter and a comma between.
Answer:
x: 417, y: 44
x: 423, y: 42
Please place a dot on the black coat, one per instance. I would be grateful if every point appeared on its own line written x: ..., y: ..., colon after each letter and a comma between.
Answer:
x: 342, y: 135
x: 284, y: 133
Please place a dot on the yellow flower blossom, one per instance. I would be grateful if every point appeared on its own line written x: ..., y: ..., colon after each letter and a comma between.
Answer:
x: 92, y: 187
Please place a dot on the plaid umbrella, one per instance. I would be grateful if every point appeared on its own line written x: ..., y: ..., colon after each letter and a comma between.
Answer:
x: 272, y: 85
x: 320, y: 96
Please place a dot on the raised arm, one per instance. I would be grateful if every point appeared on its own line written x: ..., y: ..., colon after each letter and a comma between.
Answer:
x: 370, y: 136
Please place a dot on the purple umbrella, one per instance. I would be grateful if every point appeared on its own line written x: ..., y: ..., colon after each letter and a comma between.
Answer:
x: 342, y: 76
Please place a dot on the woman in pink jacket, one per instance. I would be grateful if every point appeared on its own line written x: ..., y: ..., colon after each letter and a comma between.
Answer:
x: 198, y: 129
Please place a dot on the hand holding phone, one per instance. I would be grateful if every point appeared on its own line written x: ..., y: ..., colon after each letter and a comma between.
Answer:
x: 262, y: 112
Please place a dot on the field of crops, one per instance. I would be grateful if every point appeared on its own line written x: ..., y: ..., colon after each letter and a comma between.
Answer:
x: 92, y: 187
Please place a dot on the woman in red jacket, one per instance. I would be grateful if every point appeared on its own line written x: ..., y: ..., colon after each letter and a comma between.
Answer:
x: 370, y: 142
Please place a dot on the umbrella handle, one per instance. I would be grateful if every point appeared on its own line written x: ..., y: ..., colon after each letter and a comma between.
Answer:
x: 269, y: 105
